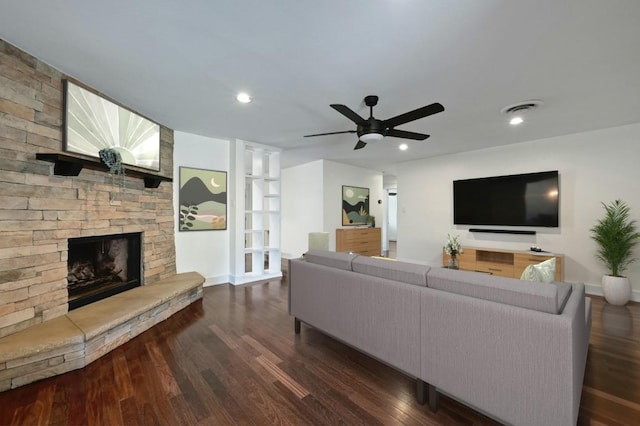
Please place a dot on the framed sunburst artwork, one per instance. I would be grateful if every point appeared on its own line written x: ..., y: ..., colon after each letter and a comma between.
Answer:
x: 93, y: 123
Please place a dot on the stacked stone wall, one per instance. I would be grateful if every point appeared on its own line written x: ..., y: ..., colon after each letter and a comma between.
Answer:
x: 39, y: 211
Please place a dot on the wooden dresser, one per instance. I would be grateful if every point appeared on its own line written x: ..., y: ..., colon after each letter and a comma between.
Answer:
x: 505, y: 263
x: 365, y: 241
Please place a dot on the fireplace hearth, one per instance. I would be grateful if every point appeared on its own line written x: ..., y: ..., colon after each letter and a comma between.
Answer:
x: 101, y: 266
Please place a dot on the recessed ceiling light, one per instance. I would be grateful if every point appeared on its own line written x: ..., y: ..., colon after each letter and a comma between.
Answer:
x: 403, y: 147
x: 243, y: 98
x: 516, y: 120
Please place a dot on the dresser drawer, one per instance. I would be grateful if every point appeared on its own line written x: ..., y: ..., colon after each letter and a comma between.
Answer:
x: 499, y: 269
x: 365, y: 241
x: 522, y: 260
x: 357, y: 236
x: 360, y: 246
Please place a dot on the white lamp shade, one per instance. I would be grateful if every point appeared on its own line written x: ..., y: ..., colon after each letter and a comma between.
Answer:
x: 318, y: 241
x: 371, y: 137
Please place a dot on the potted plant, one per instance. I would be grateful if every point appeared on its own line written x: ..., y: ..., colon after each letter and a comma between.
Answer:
x: 371, y: 220
x: 453, y: 248
x: 112, y: 159
x: 616, y: 236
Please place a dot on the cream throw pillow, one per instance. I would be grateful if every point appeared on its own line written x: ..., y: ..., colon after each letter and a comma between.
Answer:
x: 542, y: 272
x: 529, y: 274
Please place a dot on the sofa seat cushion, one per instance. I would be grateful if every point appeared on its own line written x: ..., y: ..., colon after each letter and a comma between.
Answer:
x: 409, y: 273
x: 332, y: 259
x: 543, y: 297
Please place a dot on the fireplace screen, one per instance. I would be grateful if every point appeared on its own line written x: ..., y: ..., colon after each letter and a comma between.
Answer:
x: 100, y: 267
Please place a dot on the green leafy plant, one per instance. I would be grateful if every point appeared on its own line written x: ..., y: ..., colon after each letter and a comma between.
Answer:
x: 187, y: 216
x: 371, y: 220
x: 112, y: 159
x: 616, y: 236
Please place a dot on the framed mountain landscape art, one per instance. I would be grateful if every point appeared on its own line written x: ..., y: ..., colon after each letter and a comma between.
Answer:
x: 93, y: 123
x: 355, y: 205
x: 203, y: 200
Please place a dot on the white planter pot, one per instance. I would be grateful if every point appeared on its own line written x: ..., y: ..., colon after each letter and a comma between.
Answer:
x: 616, y: 290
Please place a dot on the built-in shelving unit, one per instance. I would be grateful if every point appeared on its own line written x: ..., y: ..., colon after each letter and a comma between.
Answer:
x: 71, y: 165
x: 258, y: 255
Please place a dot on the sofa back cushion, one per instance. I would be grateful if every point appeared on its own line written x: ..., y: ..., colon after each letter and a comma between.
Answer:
x: 543, y: 297
x: 409, y: 273
x: 332, y: 259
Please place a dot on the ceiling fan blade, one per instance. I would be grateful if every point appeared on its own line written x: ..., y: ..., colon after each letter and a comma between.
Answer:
x: 360, y: 145
x: 330, y: 133
x: 348, y: 112
x: 406, y: 135
x: 414, y: 115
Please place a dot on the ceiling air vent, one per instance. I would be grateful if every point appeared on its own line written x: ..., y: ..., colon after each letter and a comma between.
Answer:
x: 517, y: 112
x: 520, y: 107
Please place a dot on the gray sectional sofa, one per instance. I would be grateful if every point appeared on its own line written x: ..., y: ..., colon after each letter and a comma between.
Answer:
x: 514, y: 350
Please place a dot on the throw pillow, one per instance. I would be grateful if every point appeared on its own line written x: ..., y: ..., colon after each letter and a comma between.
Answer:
x: 544, y: 272
x: 530, y: 274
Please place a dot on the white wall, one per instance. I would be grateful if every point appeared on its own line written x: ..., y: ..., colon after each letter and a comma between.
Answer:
x: 206, y: 252
x: 301, y: 188
x: 594, y: 167
x: 312, y: 201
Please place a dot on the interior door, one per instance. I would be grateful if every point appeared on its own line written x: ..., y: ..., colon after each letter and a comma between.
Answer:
x: 392, y: 230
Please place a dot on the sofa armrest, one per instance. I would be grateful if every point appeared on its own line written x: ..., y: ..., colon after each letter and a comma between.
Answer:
x: 521, y: 365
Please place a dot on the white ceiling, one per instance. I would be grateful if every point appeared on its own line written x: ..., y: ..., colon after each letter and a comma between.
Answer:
x: 181, y: 64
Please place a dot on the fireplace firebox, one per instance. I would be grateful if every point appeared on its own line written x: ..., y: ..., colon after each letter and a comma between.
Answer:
x: 101, y: 266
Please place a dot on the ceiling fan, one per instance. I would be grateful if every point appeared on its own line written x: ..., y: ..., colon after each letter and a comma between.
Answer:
x: 372, y: 129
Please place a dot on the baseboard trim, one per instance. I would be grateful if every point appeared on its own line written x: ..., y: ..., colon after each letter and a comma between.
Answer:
x: 242, y: 279
x: 217, y: 280
x: 248, y: 278
x: 596, y: 290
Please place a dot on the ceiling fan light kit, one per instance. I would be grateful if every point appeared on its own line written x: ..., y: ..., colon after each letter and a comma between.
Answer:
x: 373, y: 130
x: 371, y: 137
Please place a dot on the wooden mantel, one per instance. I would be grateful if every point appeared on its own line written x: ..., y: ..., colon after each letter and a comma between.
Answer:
x: 71, y: 165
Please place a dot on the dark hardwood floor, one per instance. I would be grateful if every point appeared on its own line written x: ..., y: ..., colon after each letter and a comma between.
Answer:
x: 233, y: 358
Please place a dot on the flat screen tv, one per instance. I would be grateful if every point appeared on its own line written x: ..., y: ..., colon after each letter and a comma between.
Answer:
x: 516, y: 200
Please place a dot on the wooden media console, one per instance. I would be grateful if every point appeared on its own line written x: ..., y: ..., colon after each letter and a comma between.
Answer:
x: 504, y: 263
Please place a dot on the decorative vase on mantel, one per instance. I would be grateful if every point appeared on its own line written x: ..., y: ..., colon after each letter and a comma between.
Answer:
x: 453, y: 262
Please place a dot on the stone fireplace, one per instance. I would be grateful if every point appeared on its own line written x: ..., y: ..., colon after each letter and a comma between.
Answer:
x: 101, y: 266
x: 43, y: 215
